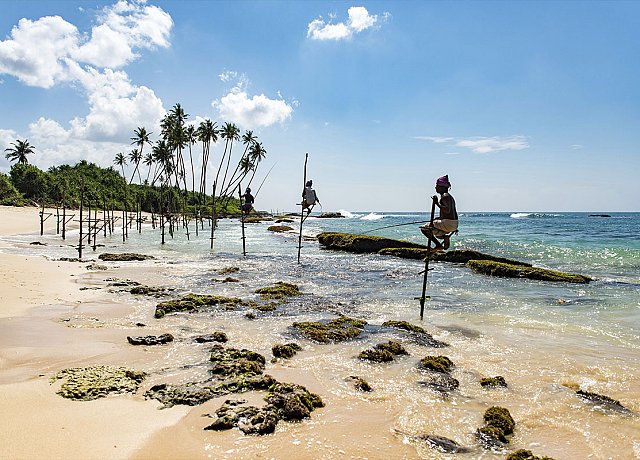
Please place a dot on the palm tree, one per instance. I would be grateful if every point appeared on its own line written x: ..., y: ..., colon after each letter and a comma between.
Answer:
x: 190, y: 137
x: 141, y: 137
x: 207, y: 132
x: 120, y: 160
x: 248, y: 139
x: 148, y: 161
x: 256, y: 154
x: 230, y: 133
x: 135, y: 156
x: 19, y: 151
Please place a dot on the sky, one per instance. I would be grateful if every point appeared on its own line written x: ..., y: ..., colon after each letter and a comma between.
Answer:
x: 527, y: 106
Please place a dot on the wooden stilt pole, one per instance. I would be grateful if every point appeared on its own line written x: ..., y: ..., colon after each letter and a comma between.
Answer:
x: 64, y: 220
x: 95, y: 227
x: 244, y: 247
x: 426, y: 267
x: 80, y: 237
x: 304, y: 182
x: 213, y: 213
x: 57, y: 220
x: 42, y: 221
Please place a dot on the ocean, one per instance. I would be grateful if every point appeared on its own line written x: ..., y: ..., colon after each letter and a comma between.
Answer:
x: 547, y: 339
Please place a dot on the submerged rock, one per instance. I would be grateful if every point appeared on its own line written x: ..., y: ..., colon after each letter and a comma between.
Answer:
x: 360, y: 384
x: 228, y: 270
x: 280, y: 290
x: 89, y: 383
x: 498, y: 425
x: 249, y: 419
x: 417, y: 333
x: 444, y: 445
x: 442, y: 383
x: 336, y: 330
x: 149, y: 290
x: 193, y: 302
x: 293, y: 402
x: 383, y: 352
x: 361, y: 243
x: 523, y: 454
x: 517, y: 271
x: 405, y: 253
x: 436, y: 363
x: 123, y: 257
x: 217, y: 336
x: 288, y: 350
x: 602, y: 401
x: 462, y: 256
x: 150, y: 339
x: 279, y: 228
x: 497, y: 381
x: 330, y: 215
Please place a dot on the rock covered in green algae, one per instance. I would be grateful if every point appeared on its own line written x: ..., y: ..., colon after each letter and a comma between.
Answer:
x: 498, y: 425
x: 280, y: 290
x: 279, y: 228
x: 361, y: 243
x: 497, y: 381
x: 602, y: 401
x: 383, y: 352
x: 293, y: 402
x: 266, y: 307
x: 336, y: 330
x: 150, y: 339
x: 437, y: 363
x: 123, y: 257
x: 249, y: 419
x: 257, y: 220
x: 287, y: 350
x: 149, y: 290
x: 419, y: 335
x: 193, y: 302
x: 217, y: 336
x: 405, y: 253
x: 89, y: 383
x: 517, y: 271
x: 228, y: 270
x: 442, y: 383
x: 462, y: 256
x: 523, y: 454
x: 360, y: 384
x: 231, y: 362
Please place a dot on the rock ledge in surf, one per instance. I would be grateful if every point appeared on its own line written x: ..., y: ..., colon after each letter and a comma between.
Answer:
x: 505, y: 270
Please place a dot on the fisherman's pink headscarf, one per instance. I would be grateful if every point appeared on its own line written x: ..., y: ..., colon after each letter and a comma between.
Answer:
x: 444, y: 181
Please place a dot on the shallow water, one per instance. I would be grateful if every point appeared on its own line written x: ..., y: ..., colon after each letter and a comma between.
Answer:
x: 542, y: 337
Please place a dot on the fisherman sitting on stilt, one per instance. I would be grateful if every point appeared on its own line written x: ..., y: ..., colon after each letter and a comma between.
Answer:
x: 248, y: 201
x: 309, y: 197
x: 447, y: 221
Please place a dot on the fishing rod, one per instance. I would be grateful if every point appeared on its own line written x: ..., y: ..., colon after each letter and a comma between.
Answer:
x: 265, y: 178
x: 396, y: 225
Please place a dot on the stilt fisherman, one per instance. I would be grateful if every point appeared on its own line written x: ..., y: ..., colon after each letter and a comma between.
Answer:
x: 447, y: 222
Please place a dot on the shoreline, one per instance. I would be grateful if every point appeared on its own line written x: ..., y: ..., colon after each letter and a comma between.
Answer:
x: 52, y: 325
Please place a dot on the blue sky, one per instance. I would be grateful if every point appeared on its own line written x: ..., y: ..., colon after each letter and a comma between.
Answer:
x: 527, y: 106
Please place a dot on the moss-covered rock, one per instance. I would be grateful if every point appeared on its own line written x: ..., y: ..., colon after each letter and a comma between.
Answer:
x: 293, y: 402
x: 279, y: 228
x: 278, y: 291
x: 89, y: 383
x: 266, y: 307
x: 523, y: 454
x: 383, y: 352
x: 287, y: 350
x: 462, y: 256
x: 257, y: 220
x: 360, y: 384
x: 231, y: 362
x: 442, y: 383
x: 217, y: 336
x: 336, y: 330
x: 228, y: 270
x: 123, y: 257
x: 405, y: 253
x: 150, y: 339
x: 436, y: 363
x: 193, y: 302
x: 149, y: 291
x: 416, y: 333
x: 497, y: 381
x: 361, y: 243
x: 518, y: 271
x: 500, y: 418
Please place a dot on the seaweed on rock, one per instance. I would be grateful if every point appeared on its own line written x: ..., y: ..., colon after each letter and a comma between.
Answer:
x: 383, y: 352
x: 89, y: 383
x: 337, y: 330
x: 360, y: 384
x: 123, y: 257
x: 417, y: 333
x: 287, y: 350
x: 437, y: 364
x: 498, y: 425
x: 293, y: 402
x: 516, y: 271
x: 193, y: 302
x: 497, y: 381
x: 523, y: 454
x: 279, y: 228
x: 279, y: 291
x: 361, y: 243
x: 150, y: 339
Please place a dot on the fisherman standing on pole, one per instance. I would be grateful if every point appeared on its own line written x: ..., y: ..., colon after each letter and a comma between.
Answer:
x: 309, y: 197
x: 447, y: 221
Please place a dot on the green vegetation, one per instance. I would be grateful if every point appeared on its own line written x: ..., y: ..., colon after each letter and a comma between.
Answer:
x: 279, y: 291
x: 88, y: 383
x: 493, y: 268
x: 9, y: 195
x: 436, y: 363
x: 336, y: 330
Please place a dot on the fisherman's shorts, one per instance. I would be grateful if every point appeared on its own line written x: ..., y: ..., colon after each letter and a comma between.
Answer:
x: 440, y: 227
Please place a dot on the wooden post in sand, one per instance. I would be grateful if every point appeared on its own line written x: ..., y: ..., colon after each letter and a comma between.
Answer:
x: 80, y: 237
x: 64, y: 219
x: 304, y: 182
x: 162, y: 211
x: 213, y: 213
x: 42, y: 220
x: 426, y: 266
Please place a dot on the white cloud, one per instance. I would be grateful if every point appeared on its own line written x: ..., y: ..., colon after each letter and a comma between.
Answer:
x: 251, y: 112
x: 47, y: 130
x: 358, y: 21
x: 482, y: 144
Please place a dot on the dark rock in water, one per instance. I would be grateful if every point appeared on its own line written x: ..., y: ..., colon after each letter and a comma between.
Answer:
x: 491, y: 438
x: 228, y: 270
x: 96, y: 267
x: 284, y: 221
x: 217, y: 336
x: 249, y: 419
x: 602, y: 401
x: 141, y: 325
x: 124, y: 257
x: 383, y: 352
x: 463, y: 256
x: 523, y: 454
x: 405, y: 253
x: 336, y: 330
x: 497, y: 381
x: 288, y: 350
x: 70, y: 259
x: 436, y: 363
x: 293, y: 402
x: 444, y: 445
x: 360, y: 384
x: 500, y: 418
x: 149, y: 291
x: 150, y: 339
x: 194, y: 302
x: 38, y: 243
x: 516, y: 271
x: 361, y: 243
x: 114, y: 282
x: 330, y: 215
x: 442, y: 383
x: 279, y: 228
x: 599, y: 215
x: 230, y: 279
x: 416, y: 333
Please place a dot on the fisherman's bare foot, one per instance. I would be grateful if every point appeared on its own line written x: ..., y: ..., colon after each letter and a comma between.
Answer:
x: 446, y: 242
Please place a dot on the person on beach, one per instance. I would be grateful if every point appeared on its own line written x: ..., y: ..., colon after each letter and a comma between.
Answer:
x: 248, y: 201
x: 447, y: 221
x: 309, y: 197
